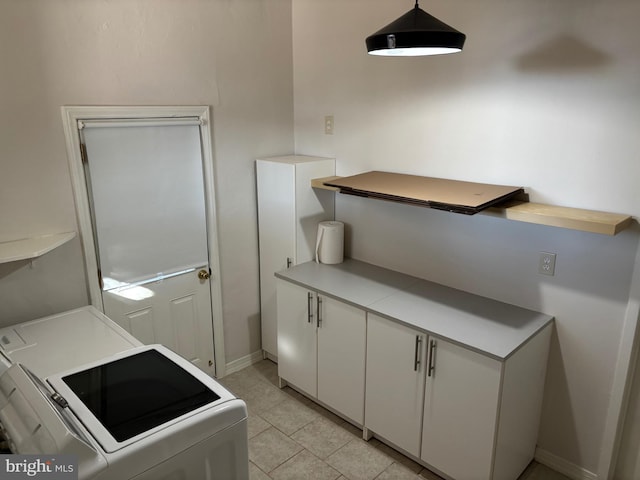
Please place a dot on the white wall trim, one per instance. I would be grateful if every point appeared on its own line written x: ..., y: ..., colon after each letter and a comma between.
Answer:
x: 83, y: 213
x: 622, y: 379
x: 70, y: 117
x: 243, y: 362
x: 563, y: 466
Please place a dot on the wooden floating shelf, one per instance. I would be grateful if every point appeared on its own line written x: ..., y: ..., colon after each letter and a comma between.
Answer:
x: 319, y: 183
x: 564, y: 217
x: 28, y: 248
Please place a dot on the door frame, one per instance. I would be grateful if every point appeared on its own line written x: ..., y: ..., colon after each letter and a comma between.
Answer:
x: 71, y: 115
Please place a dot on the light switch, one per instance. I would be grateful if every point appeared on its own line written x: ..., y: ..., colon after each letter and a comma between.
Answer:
x: 328, y: 125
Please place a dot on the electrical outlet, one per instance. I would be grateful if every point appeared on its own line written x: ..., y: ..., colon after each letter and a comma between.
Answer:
x: 328, y: 125
x: 547, y: 263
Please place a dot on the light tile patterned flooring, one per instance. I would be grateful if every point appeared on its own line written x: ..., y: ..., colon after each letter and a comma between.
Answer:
x: 292, y: 438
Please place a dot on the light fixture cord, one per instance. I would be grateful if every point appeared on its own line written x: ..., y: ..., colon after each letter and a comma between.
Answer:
x: 416, y: 5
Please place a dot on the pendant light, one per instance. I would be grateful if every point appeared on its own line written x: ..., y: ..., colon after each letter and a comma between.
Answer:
x: 413, y: 34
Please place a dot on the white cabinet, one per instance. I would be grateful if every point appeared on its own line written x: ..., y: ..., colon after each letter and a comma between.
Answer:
x: 341, y: 357
x: 297, y: 340
x: 454, y: 380
x: 483, y: 410
x: 321, y: 345
x: 395, y: 382
x: 289, y: 211
x: 442, y: 402
x: 460, y: 410
x: 431, y: 398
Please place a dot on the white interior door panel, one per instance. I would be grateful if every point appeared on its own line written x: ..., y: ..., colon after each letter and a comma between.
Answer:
x: 146, y: 187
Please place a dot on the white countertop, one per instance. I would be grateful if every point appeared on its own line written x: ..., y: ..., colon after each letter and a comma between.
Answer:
x: 488, y: 326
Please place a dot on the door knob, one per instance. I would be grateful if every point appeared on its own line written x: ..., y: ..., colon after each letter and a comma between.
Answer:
x: 203, y: 274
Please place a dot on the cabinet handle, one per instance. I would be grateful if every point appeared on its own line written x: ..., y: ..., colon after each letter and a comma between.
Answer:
x: 432, y: 365
x: 309, y: 307
x: 289, y: 262
x: 319, y: 312
x: 416, y: 357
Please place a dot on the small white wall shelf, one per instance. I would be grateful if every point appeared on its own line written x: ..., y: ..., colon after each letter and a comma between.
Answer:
x: 33, y: 247
x: 564, y: 217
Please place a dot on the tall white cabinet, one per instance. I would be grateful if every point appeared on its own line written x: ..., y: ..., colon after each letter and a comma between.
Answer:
x: 289, y: 211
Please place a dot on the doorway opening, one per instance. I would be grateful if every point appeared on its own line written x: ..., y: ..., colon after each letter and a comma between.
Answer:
x: 143, y: 183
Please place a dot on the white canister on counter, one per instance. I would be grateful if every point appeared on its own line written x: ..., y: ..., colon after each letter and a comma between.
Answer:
x: 330, y: 242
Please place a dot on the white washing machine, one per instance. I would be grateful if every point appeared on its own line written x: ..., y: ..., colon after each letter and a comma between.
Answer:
x: 77, y: 383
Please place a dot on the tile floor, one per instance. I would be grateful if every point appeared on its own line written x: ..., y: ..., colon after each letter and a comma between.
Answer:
x: 291, y: 437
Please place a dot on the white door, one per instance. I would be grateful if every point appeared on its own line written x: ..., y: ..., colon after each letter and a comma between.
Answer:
x: 297, y: 344
x: 460, y: 410
x: 342, y: 332
x: 395, y: 382
x: 288, y: 215
x: 276, y: 217
x: 146, y: 190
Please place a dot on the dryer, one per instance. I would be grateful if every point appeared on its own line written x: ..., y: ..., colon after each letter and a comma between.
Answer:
x: 62, y: 341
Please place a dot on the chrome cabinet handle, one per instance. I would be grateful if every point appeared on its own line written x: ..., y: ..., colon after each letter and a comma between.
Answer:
x: 416, y: 357
x: 432, y: 365
x: 309, y: 307
x: 319, y: 311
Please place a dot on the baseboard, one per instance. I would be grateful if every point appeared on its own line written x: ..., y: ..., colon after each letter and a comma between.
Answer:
x: 268, y: 356
x: 243, y: 362
x: 563, y: 466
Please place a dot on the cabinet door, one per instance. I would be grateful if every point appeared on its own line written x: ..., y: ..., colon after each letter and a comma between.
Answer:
x: 341, y: 357
x: 276, y: 225
x: 460, y: 412
x: 297, y: 360
x: 395, y: 382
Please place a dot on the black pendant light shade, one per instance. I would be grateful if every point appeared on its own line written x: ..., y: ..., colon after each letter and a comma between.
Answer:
x: 415, y: 33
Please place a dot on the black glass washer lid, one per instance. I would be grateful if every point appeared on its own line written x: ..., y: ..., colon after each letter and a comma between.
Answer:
x: 137, y: 393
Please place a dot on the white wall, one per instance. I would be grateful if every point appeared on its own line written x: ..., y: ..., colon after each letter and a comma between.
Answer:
x: 544, y: 95
x: 234, y: 55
